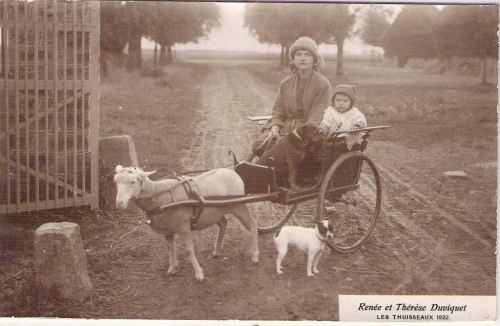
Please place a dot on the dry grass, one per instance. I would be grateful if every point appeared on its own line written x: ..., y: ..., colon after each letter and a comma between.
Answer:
x: 159, y: 109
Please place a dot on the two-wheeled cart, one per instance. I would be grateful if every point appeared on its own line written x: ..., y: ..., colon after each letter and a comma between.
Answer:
x: 346, y: 185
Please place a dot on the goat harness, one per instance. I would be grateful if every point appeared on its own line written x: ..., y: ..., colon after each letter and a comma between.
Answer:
x: 191, y: 190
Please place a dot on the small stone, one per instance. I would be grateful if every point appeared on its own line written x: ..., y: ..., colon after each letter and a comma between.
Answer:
x: 455, y: 174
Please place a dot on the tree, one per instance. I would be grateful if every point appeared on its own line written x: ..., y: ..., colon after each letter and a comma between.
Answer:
x: 468, y: 31
x: 375, y: 24
x: 337, y: 21
x: 262, y: 20
x: 283, y: 23
x: 412, y: 34
x: 113, y: 37
x: 279, y: 24
x: 136, y: 15
x: 181, y: 22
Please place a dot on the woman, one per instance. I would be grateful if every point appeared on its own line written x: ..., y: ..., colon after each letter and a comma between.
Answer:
x: 303, y: 95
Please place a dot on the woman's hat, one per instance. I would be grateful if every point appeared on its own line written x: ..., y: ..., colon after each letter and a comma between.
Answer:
x: 348, y: 90
x: 308, y: 44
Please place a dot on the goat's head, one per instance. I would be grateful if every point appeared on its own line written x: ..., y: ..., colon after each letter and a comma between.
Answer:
x: 129, y: 182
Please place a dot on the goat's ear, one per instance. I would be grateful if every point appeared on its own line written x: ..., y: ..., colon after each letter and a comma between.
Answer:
x: 118, y: 169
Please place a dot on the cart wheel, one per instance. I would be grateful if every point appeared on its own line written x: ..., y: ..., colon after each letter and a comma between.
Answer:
x: 354, y: 212
x: 270, y: 216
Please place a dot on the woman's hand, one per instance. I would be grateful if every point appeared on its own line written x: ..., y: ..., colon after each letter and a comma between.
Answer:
x: 275, y: 131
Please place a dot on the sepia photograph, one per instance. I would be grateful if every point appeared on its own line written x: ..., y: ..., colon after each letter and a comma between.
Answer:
x: 250, y: 162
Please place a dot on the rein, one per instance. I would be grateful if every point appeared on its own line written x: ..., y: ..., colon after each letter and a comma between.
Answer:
x: 297, y: 141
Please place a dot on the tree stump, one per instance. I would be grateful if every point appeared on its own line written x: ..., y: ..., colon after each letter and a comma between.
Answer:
x: 60, y: 262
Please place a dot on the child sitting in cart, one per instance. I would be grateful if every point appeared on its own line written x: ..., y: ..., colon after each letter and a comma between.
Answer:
x: 342, y: 115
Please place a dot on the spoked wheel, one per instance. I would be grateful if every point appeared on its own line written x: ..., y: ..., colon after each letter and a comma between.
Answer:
x: 354, y: 210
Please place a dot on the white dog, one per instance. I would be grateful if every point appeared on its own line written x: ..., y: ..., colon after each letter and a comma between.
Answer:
x: 312, y: 241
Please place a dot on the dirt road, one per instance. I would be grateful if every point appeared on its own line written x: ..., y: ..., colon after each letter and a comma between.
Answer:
x: 428, y: 241
x: 436, y: 236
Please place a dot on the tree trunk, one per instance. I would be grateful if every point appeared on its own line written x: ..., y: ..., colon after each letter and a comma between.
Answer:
x: 170, y: 58
x: 163, y: 59
x: 155, y: 58
x: 340, y: 56
x: 282, y: 56
x: 287, y: 52
x: 402, y: 60
x: 134, y: 52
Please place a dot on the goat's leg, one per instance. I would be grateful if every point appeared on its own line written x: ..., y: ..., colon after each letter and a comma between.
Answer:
x: 222, y: 224
x: 172, y: 269
x: 188, y: 241
x: 241, y: 212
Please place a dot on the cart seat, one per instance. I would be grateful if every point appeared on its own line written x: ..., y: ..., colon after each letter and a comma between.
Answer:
x: 257, y: 178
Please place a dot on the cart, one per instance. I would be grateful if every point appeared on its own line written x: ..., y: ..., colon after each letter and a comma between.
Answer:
x: 346, y: 185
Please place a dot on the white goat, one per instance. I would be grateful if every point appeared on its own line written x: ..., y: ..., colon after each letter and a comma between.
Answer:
x: 134, y: 184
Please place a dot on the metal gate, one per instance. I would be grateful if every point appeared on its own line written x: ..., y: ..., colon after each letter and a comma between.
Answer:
x: 49, y: 109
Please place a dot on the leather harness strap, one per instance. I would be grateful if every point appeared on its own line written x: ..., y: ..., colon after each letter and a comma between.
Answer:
x: 193, y: 192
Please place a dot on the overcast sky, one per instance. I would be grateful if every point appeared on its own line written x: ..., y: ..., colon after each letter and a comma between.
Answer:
x: 232, y: 36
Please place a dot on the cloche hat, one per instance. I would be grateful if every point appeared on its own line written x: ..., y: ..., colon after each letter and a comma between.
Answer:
x: 308, y: 44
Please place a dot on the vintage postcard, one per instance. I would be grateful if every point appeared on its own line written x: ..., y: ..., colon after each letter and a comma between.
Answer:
x: 248, y: 162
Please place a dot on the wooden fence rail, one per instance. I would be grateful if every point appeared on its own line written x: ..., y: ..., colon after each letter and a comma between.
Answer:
x: 49, y: 104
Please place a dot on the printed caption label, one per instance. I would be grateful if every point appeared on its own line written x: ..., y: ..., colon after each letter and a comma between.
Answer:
x: 400, y: 308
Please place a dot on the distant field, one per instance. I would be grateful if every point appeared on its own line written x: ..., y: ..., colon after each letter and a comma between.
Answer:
x: 435, y: 236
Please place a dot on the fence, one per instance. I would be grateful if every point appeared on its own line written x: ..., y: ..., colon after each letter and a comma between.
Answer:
x: 49, y: 109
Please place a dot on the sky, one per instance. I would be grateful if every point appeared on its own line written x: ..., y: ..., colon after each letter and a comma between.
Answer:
x: 233, y: 36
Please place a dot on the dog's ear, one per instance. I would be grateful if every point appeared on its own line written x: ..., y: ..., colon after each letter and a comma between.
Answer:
x: 311, y: 133
x: 321, y: 228
x: 330, y: 226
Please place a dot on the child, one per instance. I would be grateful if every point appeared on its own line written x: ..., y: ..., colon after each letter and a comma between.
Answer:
x: 342, y: 115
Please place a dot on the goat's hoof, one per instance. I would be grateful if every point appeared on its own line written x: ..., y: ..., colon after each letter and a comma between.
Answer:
x: 172, y: 270
x: 316, y: 271
x: 310, y: 274
x: 215, y: 255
